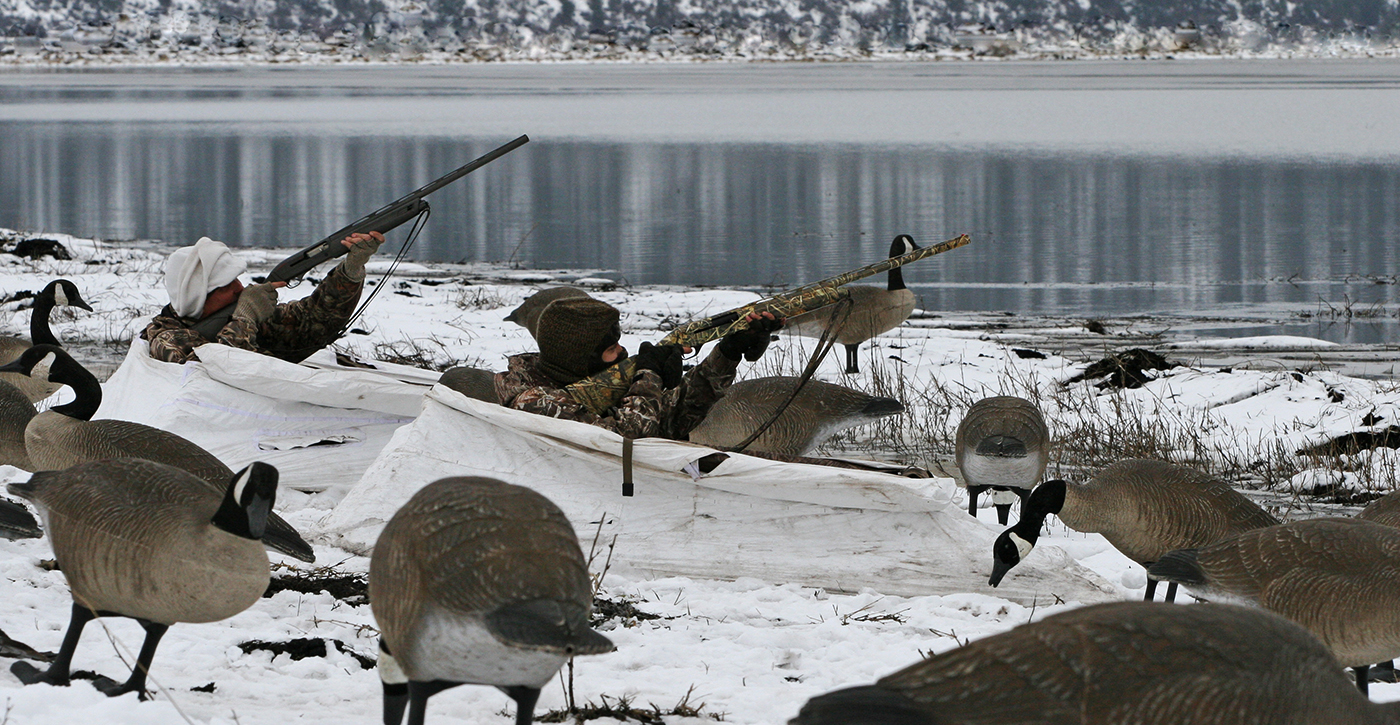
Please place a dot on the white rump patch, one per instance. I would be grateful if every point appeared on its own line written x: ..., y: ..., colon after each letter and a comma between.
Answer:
x: 1004, y: 498
x: 389, y: 671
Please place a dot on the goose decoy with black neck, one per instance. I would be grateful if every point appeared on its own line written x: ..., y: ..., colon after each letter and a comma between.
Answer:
x: 151, y: 542
x: 1109, y: 664
x: 528, y: 313
x: 16, y: 522
x: 58, y: 293
x: 819, y: 411
x: 1002, y: 444
x: 873, y: 311
x: 1144, y: 508
x: 65, y: 435
x: 1339, y: 578
x: 476, y: 581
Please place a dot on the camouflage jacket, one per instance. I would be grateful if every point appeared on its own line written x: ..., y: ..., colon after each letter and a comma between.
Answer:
x: 295, y: 330
x: 647, y: 411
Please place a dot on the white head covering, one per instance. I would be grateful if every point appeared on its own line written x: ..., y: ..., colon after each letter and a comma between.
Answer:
x: 191, y: 273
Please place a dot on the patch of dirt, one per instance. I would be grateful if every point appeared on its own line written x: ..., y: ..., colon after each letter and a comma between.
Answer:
x: 353, y: 589
x: 300, y: 649
x: 621, y: 609
x: 1352, y: 443
x: 36, y: 247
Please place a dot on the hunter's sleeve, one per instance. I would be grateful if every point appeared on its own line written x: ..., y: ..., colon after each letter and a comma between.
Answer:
x: 328, y: 306
x: 171, y: 343
x: 700, y: 389
x: 637, y: 415
x: 239, y: 333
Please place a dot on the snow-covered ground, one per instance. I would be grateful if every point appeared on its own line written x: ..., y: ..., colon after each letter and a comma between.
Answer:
x: 751, y: 651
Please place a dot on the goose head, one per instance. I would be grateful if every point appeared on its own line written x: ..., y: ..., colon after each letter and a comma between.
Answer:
x: 39, y: 362
x: 62, y: 293
x: 248, y: 501
x: 1016, y: 543
x: 902, y: 244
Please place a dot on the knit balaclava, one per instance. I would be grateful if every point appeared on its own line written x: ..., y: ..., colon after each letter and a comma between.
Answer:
x: 572, y: 334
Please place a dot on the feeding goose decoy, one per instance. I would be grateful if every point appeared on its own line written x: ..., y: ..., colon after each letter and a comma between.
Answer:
x: 151, y: 542
x: 873, y: 311
x: 1108, y: 664
x: 819, y: 411
x: 1339, y: 578
x: 65, y: 435
x: 1002, y: 444
x: 58, y: 293
x: 16, y: 522
x: 528, y: 313
x: 476, y: 581
x: 472, y: 382
x: 1144, y: 508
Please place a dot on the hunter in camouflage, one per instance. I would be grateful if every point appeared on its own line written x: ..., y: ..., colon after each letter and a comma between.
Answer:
x: 250, y: 318
x: 578, y: 337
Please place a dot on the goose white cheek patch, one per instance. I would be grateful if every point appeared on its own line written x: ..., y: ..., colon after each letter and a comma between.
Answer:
x: 60, y: 297
x: 40, y: 370
x: 241, y: 484
x: 1023, y: 547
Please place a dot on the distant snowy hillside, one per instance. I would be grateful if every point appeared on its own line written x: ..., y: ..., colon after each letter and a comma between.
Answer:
x: 36, y: 31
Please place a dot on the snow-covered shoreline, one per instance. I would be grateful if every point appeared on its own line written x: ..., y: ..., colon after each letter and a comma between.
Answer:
x: 753, y: 651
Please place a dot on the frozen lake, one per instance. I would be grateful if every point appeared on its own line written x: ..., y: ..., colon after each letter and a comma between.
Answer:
x: 1255, y: 190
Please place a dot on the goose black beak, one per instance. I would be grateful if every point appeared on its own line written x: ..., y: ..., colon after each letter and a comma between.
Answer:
x: 999, y: 569
x: 13, y: 367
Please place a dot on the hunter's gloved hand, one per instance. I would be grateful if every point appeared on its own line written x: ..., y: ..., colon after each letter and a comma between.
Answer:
x: 362, y: 247
x: 664, y: 360
x: 750, y: 344
x: 257, y: 302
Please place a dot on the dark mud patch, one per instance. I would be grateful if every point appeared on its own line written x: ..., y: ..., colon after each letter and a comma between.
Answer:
x: 353, y: 589
x: 1126, y: 369
x: 301, y: 648
x: 623, y: 610
x: 1353, y: 443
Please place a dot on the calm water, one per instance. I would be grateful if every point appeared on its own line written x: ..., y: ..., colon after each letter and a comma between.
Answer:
x: 1107, y: 191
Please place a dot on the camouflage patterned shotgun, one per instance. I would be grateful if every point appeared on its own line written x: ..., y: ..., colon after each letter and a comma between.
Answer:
x: 604, y: 390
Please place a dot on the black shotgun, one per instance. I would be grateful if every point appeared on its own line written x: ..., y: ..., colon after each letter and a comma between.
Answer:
x: 386, y: 218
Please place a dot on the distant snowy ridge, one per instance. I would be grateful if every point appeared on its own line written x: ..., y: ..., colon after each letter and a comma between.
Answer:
x: 59, y: 31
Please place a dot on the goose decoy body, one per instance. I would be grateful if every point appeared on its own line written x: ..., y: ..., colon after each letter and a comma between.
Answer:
x: 1002, y: 444
x: 58, y: 293
x: 819, y: 411
x: 1145, y: 663
x: 472, y: 382
x: 1384, y: 510
x: 65, y: 435
x: 528, y: 313
x: 873, y: 311
x: 476, y: 581
x: 151, y: 542
x: 16, y: 411
x: 1339, y: 578
x: 16, y: 522
x: 1144, y: 508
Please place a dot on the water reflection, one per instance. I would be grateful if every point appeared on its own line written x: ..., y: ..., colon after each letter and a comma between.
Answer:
x: 1057, y: 233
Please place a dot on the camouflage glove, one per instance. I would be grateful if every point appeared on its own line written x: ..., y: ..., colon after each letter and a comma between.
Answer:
x: 360, y: 252
x: 750, y: 344
x: 256, y: 303
x: 664, y: 360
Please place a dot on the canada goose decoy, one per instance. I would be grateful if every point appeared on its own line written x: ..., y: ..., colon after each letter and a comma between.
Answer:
x: 1339, y: 578
x: 16, y: 522
x: 1127, y: 662
x: 528, y: 313
x: 16, y: 411
x: 873, y: 311
x: 472, y: 382
x: 1002, y: 444
x: 151, y: 542
x: 1384, y: 510
x: 819, y: 411
x: 1144, y: 508
x: 476, y: 581
x: 65, y: 435
x: 58, y: 293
